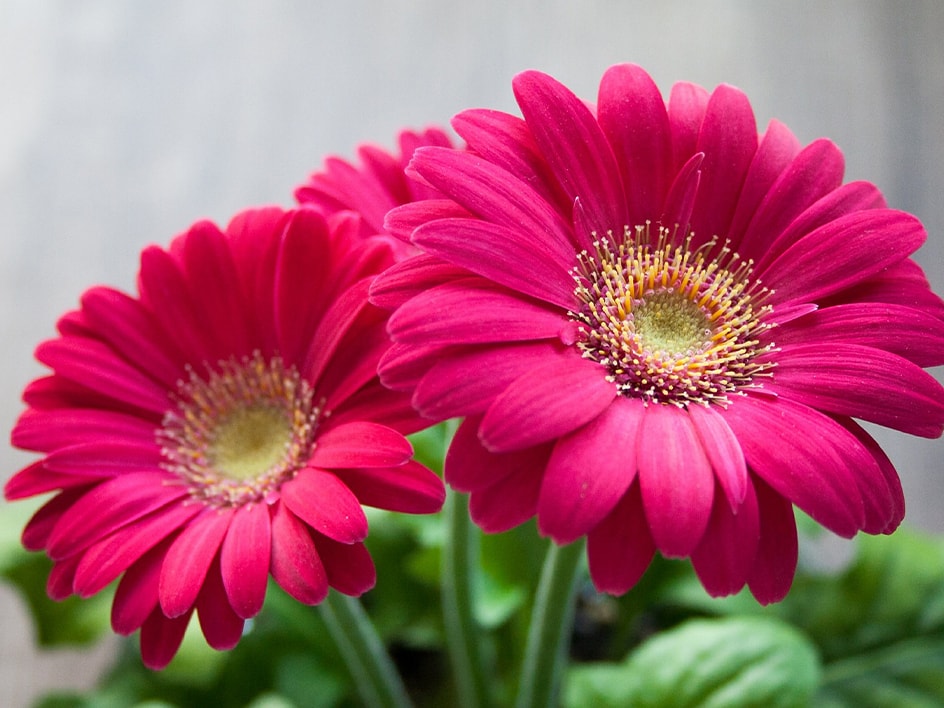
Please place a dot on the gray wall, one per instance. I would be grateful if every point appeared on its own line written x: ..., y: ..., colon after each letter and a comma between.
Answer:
x: 122, y: 122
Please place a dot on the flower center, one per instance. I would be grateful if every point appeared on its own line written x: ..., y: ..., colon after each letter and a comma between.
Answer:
x: 670, y: 324
x: 237, y: 434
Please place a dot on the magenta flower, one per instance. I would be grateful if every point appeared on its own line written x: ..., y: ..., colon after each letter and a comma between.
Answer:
x: 660, y: 328
x: 224, y: 425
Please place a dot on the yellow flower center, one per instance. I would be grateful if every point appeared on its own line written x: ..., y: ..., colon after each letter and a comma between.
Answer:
x: 240, y: 432
x: 670, y: 323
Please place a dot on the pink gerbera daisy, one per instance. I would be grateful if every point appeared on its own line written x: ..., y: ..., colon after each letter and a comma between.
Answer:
x: 225, y: 424
x: 660, y: 327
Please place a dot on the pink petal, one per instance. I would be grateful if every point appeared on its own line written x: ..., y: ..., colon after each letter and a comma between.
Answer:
x: 381, y: 405
x: 548, y: 401
x: 360, y: 444
x: 37, y: 479
x: 166, y: 295
x: 161, y: 638
x: 410, y: 277
x: 108, y: 507
x: 723, y: 452
x: 589, y: 471
x: 62, y: 577
x: 403, y: 365
x: 504, y: 140
x: 409, y: 488
x: 620, y: 548
x: 472, y: 311
x: 97, y: 367
x: 728, y: 137
x: 108, y: 456
x: 36, y: 533
x: 244, y: 559
x: 130, y: 330
x: 303, y: 265
x: 47, y: 430
x: 675, y: 479
x: 842, y: 254
x: 188, y: 558
x: 906, y: 331
x: 892, y: 495
x: 516, y: 258
x: 777, y: 149
x: 725, y: 557
x: 295, y: 565
x: 687, y: 105
x: 846, y: 199
x: 776, y: 559
x: 401, y: 222
x: 136, y: 595
x: 575, y: 148
x: 221, y: 626
x: 861, y: 382
x: 804, y: 456
x: 469, y: 466
x: 509, y: 502
x: 903, y: 283
x: 456, y: 386
x: 490, y: 193
x: 323, y: 502
x: 107, y: 559
x: 208, y: 264
x: 349, y: 566
x: 680, y: 199
x: 816, y: 172
x: 340, y: 316
x: 633, y: 116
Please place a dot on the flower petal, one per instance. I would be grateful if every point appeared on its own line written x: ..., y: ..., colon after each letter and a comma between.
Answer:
x: 861, y: 382
x: 296, y: 566
x: 548, y: 401
x: 723, y: 452
x: 136, y: 594
x: 589, y: 472
x: 575, y: 148
x: 508, y: 502
x: 188, y: 559
x: 409, y: 488
x: 349, y: 566
x: 109, y: 506
x: 675, y: 479
x: 244, y: 559
x: 725, y: 557
x: 467, y: 382
x: 409, y: 278
x: 221, y: 626
x: 620, y: 548
x: 360, y: 444
x: 633, y: 116
x: 804, y: 456
x: 776, y: 558
x: 323, y: 502
x: 472, y: 311
x: 161, y: 638
x: 510, y: 257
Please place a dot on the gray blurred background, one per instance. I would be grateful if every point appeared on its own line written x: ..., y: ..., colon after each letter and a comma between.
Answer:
x: 123, y: 122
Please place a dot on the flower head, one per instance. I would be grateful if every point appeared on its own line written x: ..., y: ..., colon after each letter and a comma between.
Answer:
x: 225, y: 424
x: 660, y: 327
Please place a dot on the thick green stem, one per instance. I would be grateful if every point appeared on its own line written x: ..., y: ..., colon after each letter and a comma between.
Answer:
x: 551, y: 623
x: 374, y: 674
x: 463, y: 635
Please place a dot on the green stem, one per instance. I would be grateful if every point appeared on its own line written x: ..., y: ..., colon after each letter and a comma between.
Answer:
x: 551, y: 623
x: 463, y: 635
x: 371, y: 667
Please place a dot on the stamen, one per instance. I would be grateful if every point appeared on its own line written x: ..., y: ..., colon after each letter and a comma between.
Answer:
x: 241, y: 431
x: 670, y: 322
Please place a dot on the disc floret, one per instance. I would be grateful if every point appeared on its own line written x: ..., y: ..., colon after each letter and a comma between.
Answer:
x: 671, y: 323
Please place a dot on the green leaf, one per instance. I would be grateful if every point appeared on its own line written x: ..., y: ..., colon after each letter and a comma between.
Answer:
x: 736, y: 661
